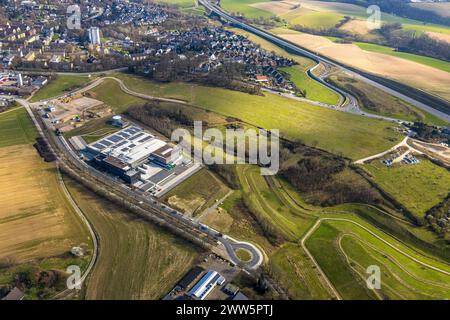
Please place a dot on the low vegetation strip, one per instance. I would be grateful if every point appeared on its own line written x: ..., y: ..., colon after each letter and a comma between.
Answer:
x: 338, y: 132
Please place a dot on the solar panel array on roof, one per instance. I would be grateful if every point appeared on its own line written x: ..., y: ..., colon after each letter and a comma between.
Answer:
x: 133, y: 130
x: 121, y: 144
x: 106, y: 142
x: 132, y: 145
x: 98, y: 146
x: 137, y: 136
x: 145, y: 139
x: 123, y: 134
x: 115, y: 138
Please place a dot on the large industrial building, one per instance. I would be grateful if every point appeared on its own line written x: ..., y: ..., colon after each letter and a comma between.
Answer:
x: 206, y: 284
x: 139, y: 158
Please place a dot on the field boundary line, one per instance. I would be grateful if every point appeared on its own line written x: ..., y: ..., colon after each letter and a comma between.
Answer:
x: 85, y: 220
x: 324, y: 276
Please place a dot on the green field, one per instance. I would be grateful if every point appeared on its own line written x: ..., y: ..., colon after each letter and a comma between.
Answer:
x: 312, y: 19
x: 337, y: 132
x: 62, y: 84
x: 435, y: 63
x: 304, y: 82
x: 344, y: 250
x: 136, y: 260
x: 197, y: 193
x: 243, y: 7
x: 16, y: 128
x: 180, y: 3
x: 291, y: 267
x: 418, y: 187
x: 110, y: 93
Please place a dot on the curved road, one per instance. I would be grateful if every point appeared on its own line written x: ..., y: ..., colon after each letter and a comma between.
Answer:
x: 287, y: 45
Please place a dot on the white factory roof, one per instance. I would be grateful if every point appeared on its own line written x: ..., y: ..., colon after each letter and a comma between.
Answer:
x: 129, y: 145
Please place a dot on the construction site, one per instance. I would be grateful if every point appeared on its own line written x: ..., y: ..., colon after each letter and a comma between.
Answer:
x: 73, y: 111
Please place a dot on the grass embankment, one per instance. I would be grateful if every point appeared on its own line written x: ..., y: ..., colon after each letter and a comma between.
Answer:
x: 345, y: 250
x: 110, y: 93
x: 373, y: 100
x: 337, y: 132
x: 38, y: 226
x: 290, y: 266
x: 197, y: 194
x: 136, y: 260
x: 60, y: 85
x: 418, y: 187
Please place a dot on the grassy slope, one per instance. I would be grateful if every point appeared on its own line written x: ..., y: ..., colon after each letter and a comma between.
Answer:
x: 243, y: 7
x: 110, y: 93
x: 304, y: 82
x: 197, y: 193
x: 435, y: 63
x: 385, y: 104
x: 418, y: 187
x: 338, y: 132
x: 312, y: 18
x: 137, y: 260
x: 59, y: 85
x: 324, y: 249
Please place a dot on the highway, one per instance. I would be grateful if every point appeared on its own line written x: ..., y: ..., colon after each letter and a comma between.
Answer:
x: 320, y: 59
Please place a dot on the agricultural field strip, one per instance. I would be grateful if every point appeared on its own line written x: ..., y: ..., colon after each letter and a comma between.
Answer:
x: 70, y: 200
x: 409, y: 256
x: 86, y: 222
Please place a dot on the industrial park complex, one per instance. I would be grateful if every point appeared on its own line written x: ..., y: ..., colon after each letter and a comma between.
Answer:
x: 140, y: 159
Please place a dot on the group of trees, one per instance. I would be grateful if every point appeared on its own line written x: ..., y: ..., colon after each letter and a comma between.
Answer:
x: 410, y: 41
x: 324, y: 179
x: 426, y: 132
x: 403, y: 9
x: 157, y: 117
x: 439, y: 218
